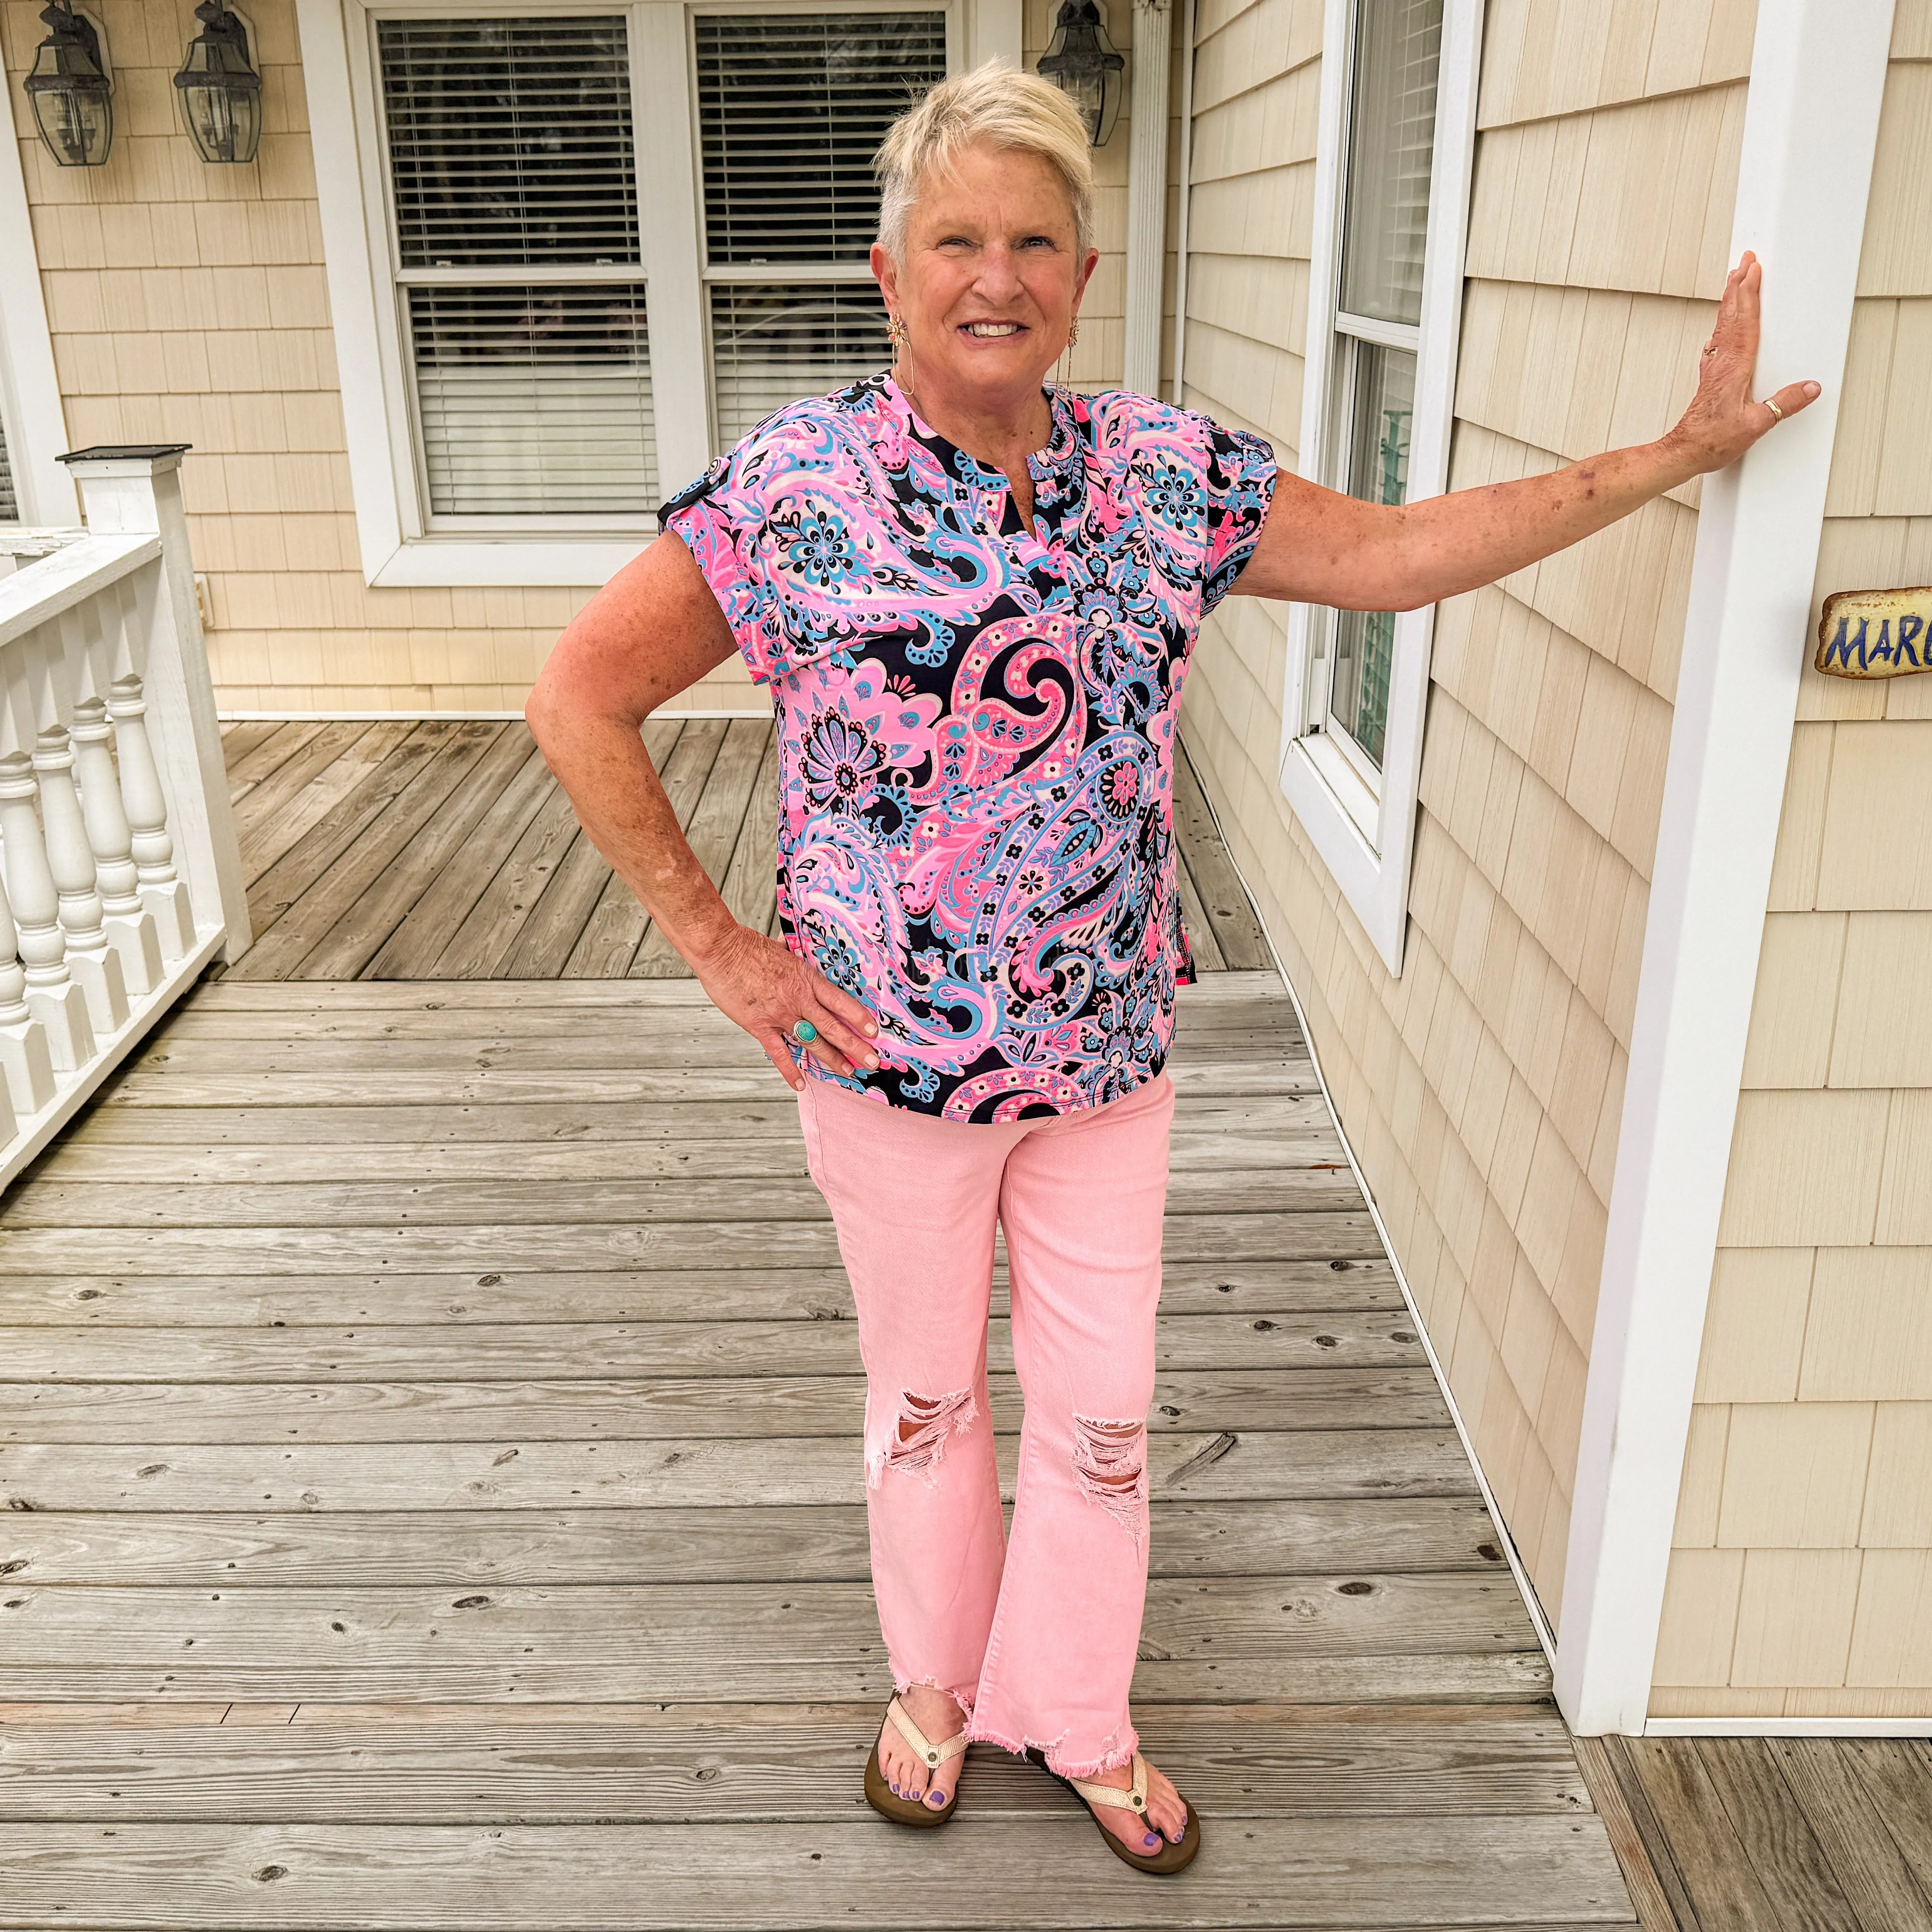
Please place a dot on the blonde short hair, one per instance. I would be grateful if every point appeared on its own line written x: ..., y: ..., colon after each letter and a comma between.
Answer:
x: 997, y: 107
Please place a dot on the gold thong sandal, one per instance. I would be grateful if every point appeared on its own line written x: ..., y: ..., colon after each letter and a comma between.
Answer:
x: 1171, y: 1858
x: 880, y: 1795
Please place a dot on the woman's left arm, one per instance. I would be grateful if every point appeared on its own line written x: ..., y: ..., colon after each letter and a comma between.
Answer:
x: 1318, y: 547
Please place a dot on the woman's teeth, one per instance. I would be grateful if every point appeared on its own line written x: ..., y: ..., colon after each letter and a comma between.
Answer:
x: 992, y: 328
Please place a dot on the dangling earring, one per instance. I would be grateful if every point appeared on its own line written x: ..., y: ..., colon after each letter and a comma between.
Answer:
x: 1065, y: 375
x: 900, y: 335
x: 1073, y: 331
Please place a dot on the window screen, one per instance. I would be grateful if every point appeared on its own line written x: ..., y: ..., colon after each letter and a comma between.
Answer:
x: 791, y: 107
x: 1391, y: 147
x: 513, y: 180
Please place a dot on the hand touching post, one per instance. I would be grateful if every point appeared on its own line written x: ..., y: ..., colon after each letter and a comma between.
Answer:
x: 1723, y: 420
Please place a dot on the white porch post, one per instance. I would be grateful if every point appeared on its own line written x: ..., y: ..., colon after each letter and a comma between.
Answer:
x: 126, y: 490
x: 1147, y: 196
x: 1817, y: 79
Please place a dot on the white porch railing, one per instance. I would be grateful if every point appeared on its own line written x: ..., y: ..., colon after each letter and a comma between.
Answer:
x: 121, y: 876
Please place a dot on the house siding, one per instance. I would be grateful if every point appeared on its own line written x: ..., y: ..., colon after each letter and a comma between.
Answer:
x: 188, y: 303
x: 1483, y: 1089
x: 1801, y: 1580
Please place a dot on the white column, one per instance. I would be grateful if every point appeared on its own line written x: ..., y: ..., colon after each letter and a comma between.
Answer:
x: 163, y: 896
x: 94, y: 964
x: 52, y: 998
x: 1817, y: 78
x: 1147, y: 195
x: 26, y: 1067
x: 134, y: 490
x: 131, y: 927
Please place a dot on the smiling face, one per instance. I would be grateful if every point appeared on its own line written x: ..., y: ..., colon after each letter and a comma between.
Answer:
x: 992, y: 277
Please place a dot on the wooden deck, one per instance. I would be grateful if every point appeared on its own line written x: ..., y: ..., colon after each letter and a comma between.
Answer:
x: 429, y: 1437
x: 447, y: 851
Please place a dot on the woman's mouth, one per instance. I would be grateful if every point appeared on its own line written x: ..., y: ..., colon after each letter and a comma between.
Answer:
x: 992, y: 331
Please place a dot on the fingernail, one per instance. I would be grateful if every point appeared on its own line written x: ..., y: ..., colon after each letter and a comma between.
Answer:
x: 1811, y: 388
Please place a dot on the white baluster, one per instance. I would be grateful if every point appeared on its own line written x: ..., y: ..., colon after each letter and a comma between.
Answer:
x: 94, y: 964
x: 164, y: 895
x: 26, y: 1067
x: 53, y: 997
x: 131, y: 927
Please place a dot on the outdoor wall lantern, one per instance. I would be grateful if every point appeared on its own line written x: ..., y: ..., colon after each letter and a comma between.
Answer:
x: 1081, y: 61
x: 69, y: 89
x: 220, y: 93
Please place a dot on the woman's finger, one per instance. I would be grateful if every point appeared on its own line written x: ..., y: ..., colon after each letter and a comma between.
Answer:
x: 835, y: 1043
x: 854, y: 1013
x: 779, y: 1054
x: 1794, y: 397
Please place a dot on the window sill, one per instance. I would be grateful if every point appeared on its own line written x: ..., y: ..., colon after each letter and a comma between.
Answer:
x: 504, y: 562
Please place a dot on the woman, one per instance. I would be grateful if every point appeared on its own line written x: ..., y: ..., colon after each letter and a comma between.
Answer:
x: 974, y: 598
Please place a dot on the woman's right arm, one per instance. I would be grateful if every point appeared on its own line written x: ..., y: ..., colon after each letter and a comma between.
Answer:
x: 652, y: 630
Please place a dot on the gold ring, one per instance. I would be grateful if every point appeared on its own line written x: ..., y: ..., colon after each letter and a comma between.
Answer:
x: 1777, y: 414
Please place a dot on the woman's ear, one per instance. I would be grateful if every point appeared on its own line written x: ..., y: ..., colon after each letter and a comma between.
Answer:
x: 1087, y: 268
x: 885, y: 273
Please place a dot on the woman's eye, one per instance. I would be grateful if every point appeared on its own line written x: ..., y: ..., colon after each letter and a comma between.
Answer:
x: 1036, y: 242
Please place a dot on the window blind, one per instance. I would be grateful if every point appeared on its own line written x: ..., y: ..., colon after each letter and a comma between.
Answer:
x: 771, y: 346
x: 790, y: 109
x: 511, y: 156
x: 510, y: 141
x: 10, y: 501
x: 534, y: 396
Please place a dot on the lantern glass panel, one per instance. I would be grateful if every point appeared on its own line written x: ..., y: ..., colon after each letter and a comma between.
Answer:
x: 69, y: 91
x: 1082, y: 63
x: 220, y: 91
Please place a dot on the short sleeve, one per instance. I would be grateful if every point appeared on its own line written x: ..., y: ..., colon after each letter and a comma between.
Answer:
x: 717, y: 518
x: 1202, y: 491
x: 1239, y: 487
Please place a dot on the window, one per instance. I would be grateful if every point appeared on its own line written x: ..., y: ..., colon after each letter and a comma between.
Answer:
x: 513, y: 190
x: 9, y: 504
x: 574, y: 251
x: 1390, y: 149
x: 1393, y: 153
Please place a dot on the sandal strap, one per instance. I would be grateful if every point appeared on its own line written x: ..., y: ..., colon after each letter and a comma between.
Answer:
x: 930, y: 1754
x: 1134, y: 1799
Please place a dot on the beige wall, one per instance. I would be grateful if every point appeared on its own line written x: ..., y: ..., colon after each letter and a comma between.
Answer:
x: 1801, y: 1584
x: 188, y: 303
x: 1483, y: 1089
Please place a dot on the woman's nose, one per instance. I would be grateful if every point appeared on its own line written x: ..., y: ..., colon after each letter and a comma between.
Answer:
x: 999, y: 273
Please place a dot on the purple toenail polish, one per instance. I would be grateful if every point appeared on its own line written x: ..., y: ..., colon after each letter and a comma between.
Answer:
x: 1151, y: 1841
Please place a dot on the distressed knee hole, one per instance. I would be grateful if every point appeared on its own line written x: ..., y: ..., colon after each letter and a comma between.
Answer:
x: 1110, y: 1461
x: 918, y: 1444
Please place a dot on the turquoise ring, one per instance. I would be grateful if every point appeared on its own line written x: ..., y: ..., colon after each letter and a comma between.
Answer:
x: 804, y: 1032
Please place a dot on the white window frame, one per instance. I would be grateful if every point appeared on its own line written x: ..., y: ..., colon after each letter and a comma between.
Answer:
x: 1364, y: 832
x: 30, y: 396
x: 339, y: 67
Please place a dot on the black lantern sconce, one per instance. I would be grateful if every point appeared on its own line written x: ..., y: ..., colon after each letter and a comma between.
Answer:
x: 1081, y: 62
x: 70, y: 90
x: 220, y: 93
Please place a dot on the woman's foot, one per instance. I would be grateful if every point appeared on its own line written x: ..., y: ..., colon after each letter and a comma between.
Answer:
x: 936, y: 1713
x: 1166, y: 1818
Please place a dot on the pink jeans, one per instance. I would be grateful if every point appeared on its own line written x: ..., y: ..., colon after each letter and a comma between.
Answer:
x: 1036, y: 1639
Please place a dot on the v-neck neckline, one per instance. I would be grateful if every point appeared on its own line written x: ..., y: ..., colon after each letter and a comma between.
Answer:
x: 984, y: 487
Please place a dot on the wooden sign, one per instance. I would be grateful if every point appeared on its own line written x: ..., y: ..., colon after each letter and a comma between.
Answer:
x: 1875, y: 633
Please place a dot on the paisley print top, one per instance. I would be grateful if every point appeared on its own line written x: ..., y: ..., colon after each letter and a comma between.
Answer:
x: 977, y: 723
